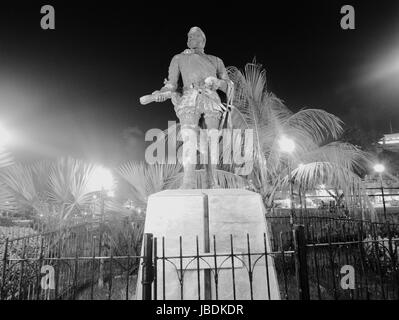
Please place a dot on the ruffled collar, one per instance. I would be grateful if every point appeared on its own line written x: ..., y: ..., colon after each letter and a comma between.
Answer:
x: 192, y: 51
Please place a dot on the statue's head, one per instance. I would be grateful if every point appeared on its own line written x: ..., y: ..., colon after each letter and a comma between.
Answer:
x: 196, y: 38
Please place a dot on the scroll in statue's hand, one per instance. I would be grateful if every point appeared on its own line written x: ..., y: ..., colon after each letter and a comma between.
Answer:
x: 156, y: 96
x: 161, y: 98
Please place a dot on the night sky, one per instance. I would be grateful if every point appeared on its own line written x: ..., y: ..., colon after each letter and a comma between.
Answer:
x: 75, y: 90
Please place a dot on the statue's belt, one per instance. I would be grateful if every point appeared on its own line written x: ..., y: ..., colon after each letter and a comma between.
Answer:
x: 190, y: 95
x: 198, y: 87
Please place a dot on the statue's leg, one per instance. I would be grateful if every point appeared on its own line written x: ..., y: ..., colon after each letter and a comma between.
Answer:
x: 212, y: 121
x: 189, y: 132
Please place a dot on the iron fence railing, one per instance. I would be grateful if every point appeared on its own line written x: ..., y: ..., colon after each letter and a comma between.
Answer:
x: 309, y: 260
x: 217, y: 274
x: 67, y: 250
x: 75, y: 278
x: 309, y: 271
x: 321, y: 229
x: 374, y: 268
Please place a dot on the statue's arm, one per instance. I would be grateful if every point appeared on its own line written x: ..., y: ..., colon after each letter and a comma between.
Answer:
x: 173, y: 75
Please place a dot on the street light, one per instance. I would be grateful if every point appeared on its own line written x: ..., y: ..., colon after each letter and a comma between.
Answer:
x: 103, y: 181
x: 380, y: 168
x: 287, y: 145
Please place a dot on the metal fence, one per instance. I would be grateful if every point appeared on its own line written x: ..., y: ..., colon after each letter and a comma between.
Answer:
x: 371, y: 248
x: 83, y: 257
x: 323, y: 229
x: 207, y: 271
x: 361, y: 269
x: 373, y: 263
x: 313, y: 259
x: 75, y: 278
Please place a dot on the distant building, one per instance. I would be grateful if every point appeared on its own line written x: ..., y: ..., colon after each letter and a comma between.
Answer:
x: 391, y: 190
x: 390, y: 142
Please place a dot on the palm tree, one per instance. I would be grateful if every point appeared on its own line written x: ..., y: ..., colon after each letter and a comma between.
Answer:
x: 56, y: 189
x: 318, y: 157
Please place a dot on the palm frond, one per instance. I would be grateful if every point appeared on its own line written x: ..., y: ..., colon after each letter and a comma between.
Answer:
x: 310, y: 175
x: 342, y: 154
x: 224, y: 179
x: 20, y: 183
x: 316, y: 123
x: 69, y: 184
x: 6, y: 158
x: 18, y: 180
x: 249, y: 102
x: 145, y: 179
x: 7, y: 200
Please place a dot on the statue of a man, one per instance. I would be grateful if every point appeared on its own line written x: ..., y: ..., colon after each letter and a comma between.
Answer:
x: 202, y: 75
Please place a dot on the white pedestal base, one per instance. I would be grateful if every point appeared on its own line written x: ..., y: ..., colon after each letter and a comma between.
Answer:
x: 236, y: 212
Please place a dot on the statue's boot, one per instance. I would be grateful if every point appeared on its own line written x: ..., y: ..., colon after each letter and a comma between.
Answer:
x: 189, y: 178
x: 210, y: 161
x: 211, y: 177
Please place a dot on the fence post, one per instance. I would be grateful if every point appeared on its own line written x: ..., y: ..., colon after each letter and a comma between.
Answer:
x: 155, y: 269
x: 301, y: 265
x: 101, y: 261
x: 38, y: 275
x: 4, y: 271
x: 147, y: 270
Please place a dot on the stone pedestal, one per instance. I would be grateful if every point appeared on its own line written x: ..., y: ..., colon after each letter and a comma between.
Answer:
x: 223, y: 216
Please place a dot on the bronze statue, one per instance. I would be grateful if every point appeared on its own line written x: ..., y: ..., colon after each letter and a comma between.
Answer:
x: 202, y: 75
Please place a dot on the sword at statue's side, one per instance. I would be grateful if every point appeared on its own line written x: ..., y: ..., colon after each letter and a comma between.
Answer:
x: 227, y: 107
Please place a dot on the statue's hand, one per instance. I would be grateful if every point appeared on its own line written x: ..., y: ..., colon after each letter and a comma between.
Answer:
x: 213, y: 83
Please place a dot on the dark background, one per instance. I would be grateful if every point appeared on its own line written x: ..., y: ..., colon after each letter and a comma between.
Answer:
x: 75, y: 90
